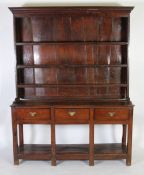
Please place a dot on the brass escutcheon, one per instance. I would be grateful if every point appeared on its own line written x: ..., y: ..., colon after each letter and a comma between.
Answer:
x: 32, y: 114
x: 72, y: 113
x: 111, y: 114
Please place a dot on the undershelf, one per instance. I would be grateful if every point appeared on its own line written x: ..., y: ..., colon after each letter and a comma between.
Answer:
x: 72, y: 151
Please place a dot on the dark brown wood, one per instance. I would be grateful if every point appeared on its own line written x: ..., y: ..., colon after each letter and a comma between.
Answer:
x: 71, y: 116
x: 21, y: 137
x: 129, y: 141
x: 72, y: 68
x: 124, y: 135
x: 69, y: 65
x: 53, y: 139
x: 73, y: 42
x: 72, y: 152
x: 15, y: 139
x: 29, y: 115
x: 91, y: 138
x: 35, y: 152
x: 111, y: 114
x: 114, y: 11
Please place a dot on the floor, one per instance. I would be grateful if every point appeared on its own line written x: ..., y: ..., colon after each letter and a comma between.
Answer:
x: 107, y: 167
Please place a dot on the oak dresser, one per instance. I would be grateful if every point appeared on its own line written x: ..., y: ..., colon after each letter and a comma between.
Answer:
x: 72, y: 68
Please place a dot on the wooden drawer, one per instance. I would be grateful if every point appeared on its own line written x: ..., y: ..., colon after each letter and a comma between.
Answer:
x: 31, y: 115
x: 71, y: 116
x: 111, y: 114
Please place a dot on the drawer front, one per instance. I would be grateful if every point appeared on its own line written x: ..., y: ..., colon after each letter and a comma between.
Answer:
x: 30, y: 115
x: 71, y: 115
x: 111, y: 114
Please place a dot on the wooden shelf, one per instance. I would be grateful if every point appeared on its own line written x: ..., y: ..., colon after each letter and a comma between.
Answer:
x: 34, y: 152
x: 73, y: 42
x: 65, y: 85
x: 71, y: 65
x: 56, y: 100
x: 72, y: 151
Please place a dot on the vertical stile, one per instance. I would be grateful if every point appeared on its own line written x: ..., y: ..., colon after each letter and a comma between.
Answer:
x: 53, y: 141
x: 91, y: 138
x: 21, y: 137
x: 129, y: 140
x: 124, y: 131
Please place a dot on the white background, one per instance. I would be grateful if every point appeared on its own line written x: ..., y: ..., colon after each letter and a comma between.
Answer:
x: 71, y: 134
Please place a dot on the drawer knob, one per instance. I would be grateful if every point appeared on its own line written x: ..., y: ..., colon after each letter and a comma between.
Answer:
x: 32, y: 114
x: 111, y: 114
x: 72, y: 113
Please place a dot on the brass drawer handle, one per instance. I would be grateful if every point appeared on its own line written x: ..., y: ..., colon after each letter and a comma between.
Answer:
x: 32, y: 114
x: 72, y: 113
x: 111, y: 114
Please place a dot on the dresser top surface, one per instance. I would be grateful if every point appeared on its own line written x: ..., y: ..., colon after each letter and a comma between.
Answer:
x: 71, y: 104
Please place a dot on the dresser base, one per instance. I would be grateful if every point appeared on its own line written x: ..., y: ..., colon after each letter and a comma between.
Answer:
x: 86, y: 114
